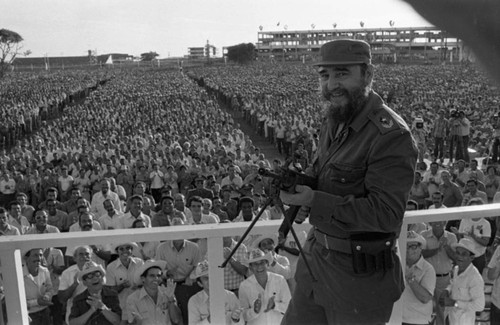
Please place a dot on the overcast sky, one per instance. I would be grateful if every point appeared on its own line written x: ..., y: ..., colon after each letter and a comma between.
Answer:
x: 169, y: 27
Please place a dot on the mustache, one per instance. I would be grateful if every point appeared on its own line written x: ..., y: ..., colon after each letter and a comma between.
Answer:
x: 328, y: 94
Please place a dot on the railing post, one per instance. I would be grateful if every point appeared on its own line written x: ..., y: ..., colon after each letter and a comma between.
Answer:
x: 216, y: 281
x: 397, y: 309
x: 13, y: 283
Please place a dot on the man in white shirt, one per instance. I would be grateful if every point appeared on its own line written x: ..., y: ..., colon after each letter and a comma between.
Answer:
x: 110, y: 220
x: 437, y: 200
x: 420, y: 283
x: 264, y: 296
x: 64, y: 183
x: 465, y: 294
x: 70, y: 286
x: 199, y: 304
x: 156, y: 177
x: 134, y: 213
x: 97, y: 207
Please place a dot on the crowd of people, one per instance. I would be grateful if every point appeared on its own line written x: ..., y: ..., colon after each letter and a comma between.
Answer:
x: 282, y: 104
x: 155, y: 148
x: 26, y: 100
x: 144, y: 149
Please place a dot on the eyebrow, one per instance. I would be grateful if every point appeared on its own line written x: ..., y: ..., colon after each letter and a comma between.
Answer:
x: 335, y: 69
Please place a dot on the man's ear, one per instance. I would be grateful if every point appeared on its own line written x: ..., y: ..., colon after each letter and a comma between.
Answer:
x: 369, y: 74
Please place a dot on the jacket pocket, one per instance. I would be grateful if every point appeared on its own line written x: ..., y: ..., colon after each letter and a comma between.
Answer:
x: 347, y: 179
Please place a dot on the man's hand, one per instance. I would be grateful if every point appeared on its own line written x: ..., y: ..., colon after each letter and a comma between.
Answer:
x: 303, y: 196
x: 95, y: 302
x: 443, y: 241
x: 226, y: 252
x: 270, y: 304
x: 236, y: 314
x: 44, y: 301
x: 137, y: 319
x: 125, y: 284
x: 257, y: 305
x: 170, y: 289
x: 302, y: 214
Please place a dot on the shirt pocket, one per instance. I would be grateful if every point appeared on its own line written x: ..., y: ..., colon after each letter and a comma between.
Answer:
x: 347, y: 178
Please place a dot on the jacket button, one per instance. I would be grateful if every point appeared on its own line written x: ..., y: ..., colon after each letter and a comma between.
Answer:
x: 343, y: 180
x: 387, y: 243
x: 358, y: 248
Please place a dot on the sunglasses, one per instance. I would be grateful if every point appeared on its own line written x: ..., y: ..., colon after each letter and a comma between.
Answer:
x: 413, y: 247
x: 90, y: 276
x: 125, y: 248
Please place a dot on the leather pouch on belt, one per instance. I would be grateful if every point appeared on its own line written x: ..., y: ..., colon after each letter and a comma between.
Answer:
x: 372, y: 252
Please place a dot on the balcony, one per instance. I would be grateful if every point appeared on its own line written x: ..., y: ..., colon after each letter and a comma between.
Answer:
x: 11, y: 247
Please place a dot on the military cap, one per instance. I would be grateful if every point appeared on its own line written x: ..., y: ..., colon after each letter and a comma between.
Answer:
x: 345, y: 51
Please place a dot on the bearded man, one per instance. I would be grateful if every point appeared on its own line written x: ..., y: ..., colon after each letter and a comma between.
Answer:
x: 364, y: 165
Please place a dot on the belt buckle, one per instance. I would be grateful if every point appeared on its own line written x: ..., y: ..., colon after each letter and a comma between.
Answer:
x: 326, y: 241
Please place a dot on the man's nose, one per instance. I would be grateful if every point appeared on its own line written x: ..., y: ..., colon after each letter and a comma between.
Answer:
x: 332, y: 82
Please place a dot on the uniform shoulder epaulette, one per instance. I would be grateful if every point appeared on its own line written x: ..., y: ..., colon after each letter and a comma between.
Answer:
x: 385, y: 120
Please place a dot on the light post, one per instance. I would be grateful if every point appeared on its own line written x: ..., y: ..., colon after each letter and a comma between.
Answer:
x: 258, y: 41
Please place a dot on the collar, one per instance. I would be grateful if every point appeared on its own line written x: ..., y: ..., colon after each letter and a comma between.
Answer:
x: 25, y: 271
x: 182, y: 247
x: 120, y: 264
x: 139, y: 216
x: 466, y: 271
x: 204, y: 296
x: 43, y: 231
x: 361, y: 118
x: 420, y: 263
x: 143, y: 294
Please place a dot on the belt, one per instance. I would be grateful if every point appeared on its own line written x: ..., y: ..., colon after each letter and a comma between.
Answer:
x: 443, y: 275
x: 333, y: 243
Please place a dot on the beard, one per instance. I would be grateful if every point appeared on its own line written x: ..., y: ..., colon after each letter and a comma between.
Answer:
x: 353, y: 102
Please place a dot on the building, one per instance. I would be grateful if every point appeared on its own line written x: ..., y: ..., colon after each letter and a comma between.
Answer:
x: 388, y: 44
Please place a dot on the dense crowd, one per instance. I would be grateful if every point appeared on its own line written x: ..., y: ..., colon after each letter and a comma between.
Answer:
x: 26, y: 100
x: 155, y: 148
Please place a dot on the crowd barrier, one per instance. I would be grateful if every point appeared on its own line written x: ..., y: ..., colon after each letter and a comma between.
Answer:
x: 11, y: 247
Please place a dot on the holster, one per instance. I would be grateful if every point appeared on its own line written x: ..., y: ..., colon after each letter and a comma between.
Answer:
x: 372, y: 252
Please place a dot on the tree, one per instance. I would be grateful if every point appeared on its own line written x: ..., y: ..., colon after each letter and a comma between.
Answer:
x: 10, y: 47
x: 241, y: 53
x: 149, y: 56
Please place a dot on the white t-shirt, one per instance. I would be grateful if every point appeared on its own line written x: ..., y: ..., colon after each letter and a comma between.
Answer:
x: 65, y: 182
x: 67, y: 279
x: 481, y: 228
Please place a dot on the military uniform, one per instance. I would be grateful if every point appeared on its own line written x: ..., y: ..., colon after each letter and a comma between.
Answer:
x: 364, y: 174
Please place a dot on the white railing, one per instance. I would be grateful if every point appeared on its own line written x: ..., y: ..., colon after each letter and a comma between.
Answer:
x: 11, y: 247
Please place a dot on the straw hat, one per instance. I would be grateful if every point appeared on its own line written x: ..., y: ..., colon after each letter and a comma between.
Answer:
x: 467, y: 244
x: 90, y: 267
x: 414, y: 237
x: 256, y: 255
x: 146, y: 266
x: 256, y: 242
x: 115, y: 246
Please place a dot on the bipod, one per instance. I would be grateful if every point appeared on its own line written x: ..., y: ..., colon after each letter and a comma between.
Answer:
x: 289, y: 216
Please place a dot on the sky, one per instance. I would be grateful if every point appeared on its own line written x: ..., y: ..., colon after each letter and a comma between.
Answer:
x: 169, y: 27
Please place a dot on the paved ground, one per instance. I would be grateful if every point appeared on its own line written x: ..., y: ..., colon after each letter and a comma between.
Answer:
x: 267, y: 148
